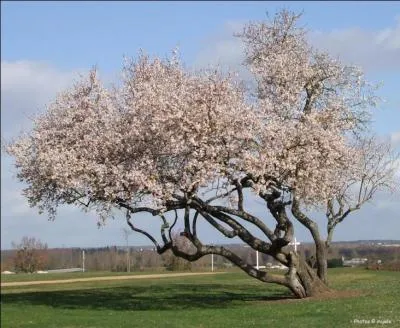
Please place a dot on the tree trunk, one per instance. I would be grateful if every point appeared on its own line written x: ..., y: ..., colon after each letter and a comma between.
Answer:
x: 322, y: 264
x: 303, y: 281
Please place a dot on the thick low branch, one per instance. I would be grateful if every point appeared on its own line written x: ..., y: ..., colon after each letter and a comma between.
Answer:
x: 164, y: 226
x: 186, y: 220
x: 249, y: 269
x: 303, y: 219
x: 242, y: 232
x: 219, y: 227
x: 246, y: 217
x: 194, y: 224
x: 232, y: 257
x: 289, y: 280
x: 278, y: 211
x: 172, y: 225
x: 319, y: 244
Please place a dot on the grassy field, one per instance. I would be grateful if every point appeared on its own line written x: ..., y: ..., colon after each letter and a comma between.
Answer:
x: 224, y: 300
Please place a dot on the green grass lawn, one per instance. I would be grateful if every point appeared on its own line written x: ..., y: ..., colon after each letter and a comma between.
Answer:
x: 225, y: 300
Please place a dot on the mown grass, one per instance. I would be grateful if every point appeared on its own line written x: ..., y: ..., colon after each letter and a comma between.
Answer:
x: 225, y: 300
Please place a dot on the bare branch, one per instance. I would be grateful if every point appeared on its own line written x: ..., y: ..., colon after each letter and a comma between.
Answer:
x: 377, y: 164
x: 145, y: 233
x: 210, y: 200
x: 172, y: 225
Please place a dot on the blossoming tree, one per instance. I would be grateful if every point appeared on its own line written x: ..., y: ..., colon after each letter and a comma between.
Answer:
x: 194, y: 146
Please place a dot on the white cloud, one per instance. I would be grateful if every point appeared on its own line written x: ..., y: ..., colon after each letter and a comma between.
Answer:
x: 225, y: 50
x: 371, y: 49
x: 26, y: 87
x: 397, y: 176
x: 395, y: 138
x: 15, y: 204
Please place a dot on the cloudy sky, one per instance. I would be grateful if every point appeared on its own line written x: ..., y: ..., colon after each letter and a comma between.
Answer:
x: 45, y: 46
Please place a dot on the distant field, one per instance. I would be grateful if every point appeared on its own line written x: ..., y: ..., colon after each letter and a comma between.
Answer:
x: 226, y: 300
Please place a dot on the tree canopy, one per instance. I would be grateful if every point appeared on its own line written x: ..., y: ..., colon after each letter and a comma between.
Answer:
x: 169, y: 139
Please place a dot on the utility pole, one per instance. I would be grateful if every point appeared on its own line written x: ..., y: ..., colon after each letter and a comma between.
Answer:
x: 257, y: 260
x: 83, y: 260
x: 126, y: 233
x: 212, y: 260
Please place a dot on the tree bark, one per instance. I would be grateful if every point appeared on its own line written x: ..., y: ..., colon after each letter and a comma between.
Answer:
x: 322, y: 262
x: 312, y: 284
x: 300, y: 278
x: 320, y: 245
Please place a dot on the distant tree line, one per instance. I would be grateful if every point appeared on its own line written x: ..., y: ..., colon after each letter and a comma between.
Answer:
x: 31, y: 254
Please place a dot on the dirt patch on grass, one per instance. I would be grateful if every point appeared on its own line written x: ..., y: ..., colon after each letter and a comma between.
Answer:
x: 337, y: 294
x: 64, y: 281
x: 333, y: 294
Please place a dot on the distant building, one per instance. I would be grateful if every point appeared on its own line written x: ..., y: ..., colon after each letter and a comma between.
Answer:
x: 278, y: 266
x: 64, y: 270
x: 354, y: 261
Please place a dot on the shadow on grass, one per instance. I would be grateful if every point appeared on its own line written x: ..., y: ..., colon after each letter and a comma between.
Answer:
x: 141, y: 298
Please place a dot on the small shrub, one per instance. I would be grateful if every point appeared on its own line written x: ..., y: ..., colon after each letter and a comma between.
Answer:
x: 335, y: 263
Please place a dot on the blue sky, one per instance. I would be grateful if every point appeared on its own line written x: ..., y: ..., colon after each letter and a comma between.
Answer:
x: 44, y: 45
